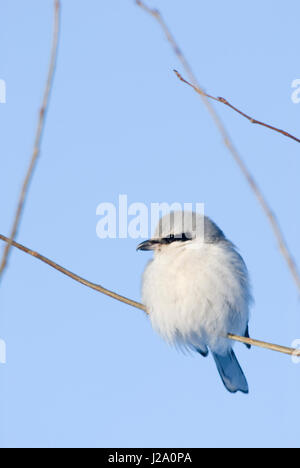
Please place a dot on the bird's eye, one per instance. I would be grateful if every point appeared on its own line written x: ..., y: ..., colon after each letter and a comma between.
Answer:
x: 186, y: 237
x: 178, y: 238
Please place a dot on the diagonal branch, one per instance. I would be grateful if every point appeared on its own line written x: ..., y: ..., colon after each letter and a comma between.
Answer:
x: 38, y: 137
x: 138, y: 305
x: 156, y: 14
x: 283, y: 247
x: 228, y: 104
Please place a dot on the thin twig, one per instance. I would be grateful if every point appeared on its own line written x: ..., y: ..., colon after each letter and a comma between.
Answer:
x: 156, y: 14
x: 228, y: 143
x: 38, y: 137
x: 75, y: 277
x: 264, y: 344
x: 137, y: 305
x: 228, y: 104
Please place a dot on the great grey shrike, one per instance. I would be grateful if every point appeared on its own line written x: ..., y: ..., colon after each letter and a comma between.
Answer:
x: 196, y: 290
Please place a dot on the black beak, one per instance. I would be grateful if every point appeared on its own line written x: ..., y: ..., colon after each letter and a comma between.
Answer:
x: 148, y: 244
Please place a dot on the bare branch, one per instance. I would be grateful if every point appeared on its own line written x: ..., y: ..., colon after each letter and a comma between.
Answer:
x: 228, y: 104
x: 38, y: 137
x: 283, y: 247
x: 75, y: 277
x: 156, y: 14
x: 264, y: 344
x: 137, y: 305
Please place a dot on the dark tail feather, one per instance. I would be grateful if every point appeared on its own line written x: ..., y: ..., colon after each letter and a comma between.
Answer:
x: 247, y: 336
x: 203, y: 351
x: 231, y: 372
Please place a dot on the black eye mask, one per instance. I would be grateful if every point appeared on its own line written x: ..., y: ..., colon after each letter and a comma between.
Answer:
x: 178, y: 238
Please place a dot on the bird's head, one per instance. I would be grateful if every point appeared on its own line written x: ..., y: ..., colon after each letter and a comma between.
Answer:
x: 180, y: 229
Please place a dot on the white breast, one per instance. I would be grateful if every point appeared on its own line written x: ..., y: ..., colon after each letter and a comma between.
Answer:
x: 196, y: 293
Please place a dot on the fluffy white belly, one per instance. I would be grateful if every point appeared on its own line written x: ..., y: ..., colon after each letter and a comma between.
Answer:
x: 196, y: 295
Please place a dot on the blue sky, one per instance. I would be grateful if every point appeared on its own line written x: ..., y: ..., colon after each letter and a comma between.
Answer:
x: 82, y: 369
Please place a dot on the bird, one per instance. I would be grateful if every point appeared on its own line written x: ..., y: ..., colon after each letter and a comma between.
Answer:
x: 196, y: 290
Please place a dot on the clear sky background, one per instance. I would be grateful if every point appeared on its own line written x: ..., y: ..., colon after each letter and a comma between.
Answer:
x: 85, y: 370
